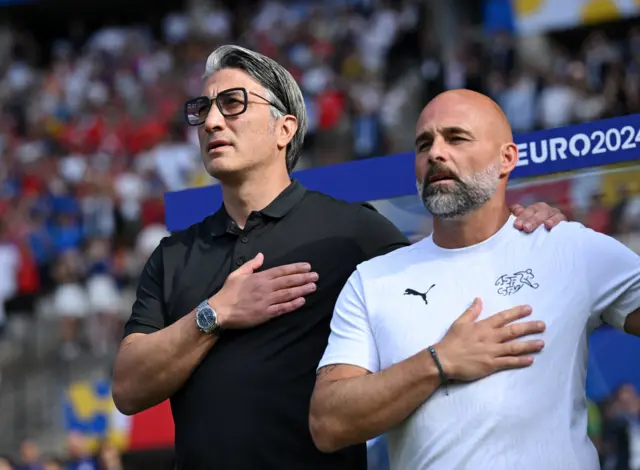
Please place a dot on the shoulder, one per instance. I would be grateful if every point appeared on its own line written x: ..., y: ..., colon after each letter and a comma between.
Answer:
x: 370, y: 232
x: 355, y: 211
x: 183, y: 240
x: 362, y: 217
x: 567, y: 234
x: 572, y: 241
x: 392, y: 264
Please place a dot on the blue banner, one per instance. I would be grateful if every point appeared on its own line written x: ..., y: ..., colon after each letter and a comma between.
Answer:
x: 545, y: 152
x: 4, y: 3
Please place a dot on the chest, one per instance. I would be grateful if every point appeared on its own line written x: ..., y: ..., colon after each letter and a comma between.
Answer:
x: 201, y: 271
x: 419, y: 307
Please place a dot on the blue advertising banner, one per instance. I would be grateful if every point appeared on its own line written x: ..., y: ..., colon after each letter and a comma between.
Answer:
x: 545, y: 152
x: 4, y: 3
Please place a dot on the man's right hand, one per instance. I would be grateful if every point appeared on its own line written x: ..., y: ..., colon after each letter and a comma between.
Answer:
x: 248, y: 298
x: 474, y: 349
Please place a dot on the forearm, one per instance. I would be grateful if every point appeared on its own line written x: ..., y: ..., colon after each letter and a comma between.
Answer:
x: 632, y: 323
x: 354, y: 410
x: 151, y: 368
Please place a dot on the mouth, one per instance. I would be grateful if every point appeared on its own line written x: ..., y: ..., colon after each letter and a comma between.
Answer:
x: 441, y: 178
x: 218, y: 145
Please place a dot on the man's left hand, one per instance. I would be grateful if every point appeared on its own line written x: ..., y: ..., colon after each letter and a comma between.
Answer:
x: 535, y: 215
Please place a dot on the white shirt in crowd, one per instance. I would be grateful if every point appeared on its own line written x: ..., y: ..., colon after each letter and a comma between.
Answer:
x: 9, y: 266
x: 530, y: 419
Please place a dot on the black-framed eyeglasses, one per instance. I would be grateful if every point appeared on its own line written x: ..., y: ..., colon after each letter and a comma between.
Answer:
x: 231, y: 102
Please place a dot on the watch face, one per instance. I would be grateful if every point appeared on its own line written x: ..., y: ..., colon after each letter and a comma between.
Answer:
x: 206, y: 318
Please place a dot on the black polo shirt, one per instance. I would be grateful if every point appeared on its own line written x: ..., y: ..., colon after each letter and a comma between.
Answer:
x: 246, y: 405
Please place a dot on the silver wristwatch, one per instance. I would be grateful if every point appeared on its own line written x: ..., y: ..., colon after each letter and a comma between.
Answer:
x: 207, y: 319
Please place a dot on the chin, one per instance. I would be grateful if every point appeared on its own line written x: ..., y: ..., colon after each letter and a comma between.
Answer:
x: 221, y: 169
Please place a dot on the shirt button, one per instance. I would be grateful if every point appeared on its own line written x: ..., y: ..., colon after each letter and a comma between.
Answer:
x: 239, y: 262
x: 244, y: 239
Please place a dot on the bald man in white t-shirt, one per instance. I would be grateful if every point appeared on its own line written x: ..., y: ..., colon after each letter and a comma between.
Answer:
x: 502, y: 386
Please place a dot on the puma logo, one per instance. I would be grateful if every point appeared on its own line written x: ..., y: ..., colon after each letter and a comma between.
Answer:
x: 423, y: 296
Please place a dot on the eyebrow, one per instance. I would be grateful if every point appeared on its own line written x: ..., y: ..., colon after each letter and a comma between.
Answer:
x: 451, y: 130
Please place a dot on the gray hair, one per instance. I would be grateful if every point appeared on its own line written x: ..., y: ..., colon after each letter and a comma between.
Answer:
x: 281, y: 87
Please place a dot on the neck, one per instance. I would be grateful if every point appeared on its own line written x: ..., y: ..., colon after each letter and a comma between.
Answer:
x: 472, y: 228
x: 253, y: 193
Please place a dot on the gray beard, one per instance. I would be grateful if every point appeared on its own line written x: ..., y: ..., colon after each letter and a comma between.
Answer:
x: 463, y: 197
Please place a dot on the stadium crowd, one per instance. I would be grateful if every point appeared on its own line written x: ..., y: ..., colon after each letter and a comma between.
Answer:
x: 107, y: 457
x: 90, y: 143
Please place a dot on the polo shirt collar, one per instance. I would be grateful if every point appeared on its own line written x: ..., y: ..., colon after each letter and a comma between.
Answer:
x: 288, y: 199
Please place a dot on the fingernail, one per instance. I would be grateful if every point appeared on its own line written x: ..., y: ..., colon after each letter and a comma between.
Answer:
x: 314, y: 276
x: 540, y: 343
x: 528, y: 226
x: 540, y: 324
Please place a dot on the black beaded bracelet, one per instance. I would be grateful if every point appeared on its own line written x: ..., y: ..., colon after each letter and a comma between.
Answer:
x: 444, y: 380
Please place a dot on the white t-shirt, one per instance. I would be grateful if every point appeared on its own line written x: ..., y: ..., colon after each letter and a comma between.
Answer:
x: 528, y: 419
x: 9, y: 265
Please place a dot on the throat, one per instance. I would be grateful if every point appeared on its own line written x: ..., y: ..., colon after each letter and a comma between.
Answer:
x: 248, y: 196
x: 470, y: 229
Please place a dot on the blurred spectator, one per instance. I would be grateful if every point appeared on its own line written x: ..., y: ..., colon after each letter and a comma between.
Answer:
x: 619, y: 223
x: 6, y: 463
x: 109, y: 457
x: 557, y: 102
x: 594, y: 425
x: 598, y: 215
x: 103, y: 295
x: 49, y: 463
x: 70, y: 300
x: 79, y: 456
x: 621, y: 433
x: 9, y: 265
x: 518, y: 99
x: 29, y: 456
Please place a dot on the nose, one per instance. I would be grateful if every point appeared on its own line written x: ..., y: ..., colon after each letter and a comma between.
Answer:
x: 438, y: 151
x: 215, y: 120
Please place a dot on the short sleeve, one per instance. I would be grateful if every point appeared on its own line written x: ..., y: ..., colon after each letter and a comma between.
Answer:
x: 613, y: 277
x: 147, y: 314
x: 351, y: 339
x: 377, y: 235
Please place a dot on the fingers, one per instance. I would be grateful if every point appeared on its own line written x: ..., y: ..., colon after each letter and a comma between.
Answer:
x: 287, y: 307
x: 516, y: 209
x: 252, y: 265
x: 534, y: 216
x: 520, y: 348
x: 287, y: 270
x: 555, y: 220
x: 513, y: 362
x: 287, y: 295
x: 293, y: 280
x: 472, y: 313
x: 500, y: 319
x: 518, y: 330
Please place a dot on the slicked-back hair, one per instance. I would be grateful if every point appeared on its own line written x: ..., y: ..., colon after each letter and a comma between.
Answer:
x: 281, y: 88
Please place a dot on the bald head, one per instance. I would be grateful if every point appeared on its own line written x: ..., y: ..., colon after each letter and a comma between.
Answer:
x: 473, y: 109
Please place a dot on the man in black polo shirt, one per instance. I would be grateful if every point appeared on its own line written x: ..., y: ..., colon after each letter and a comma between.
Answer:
x: 232, y: 315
